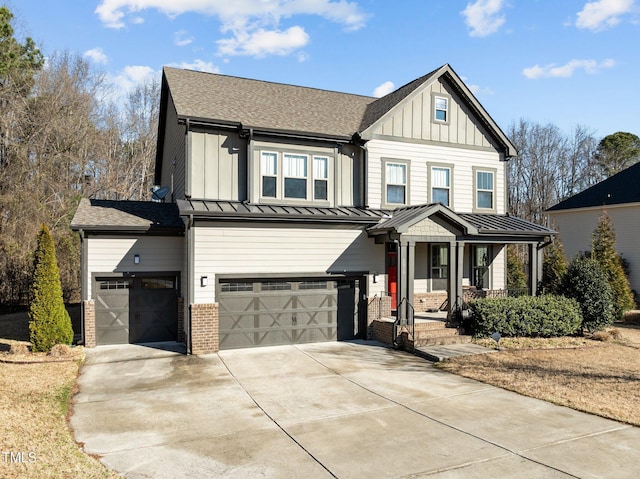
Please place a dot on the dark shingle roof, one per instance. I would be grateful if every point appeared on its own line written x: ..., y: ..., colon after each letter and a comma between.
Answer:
x: 235, y: 210
x: 127, y: 216
x: 262, y: 104
x: 620, y: 188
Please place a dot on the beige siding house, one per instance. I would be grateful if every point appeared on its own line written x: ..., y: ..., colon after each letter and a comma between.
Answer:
x: 305, y: 214
x: 619, y: 196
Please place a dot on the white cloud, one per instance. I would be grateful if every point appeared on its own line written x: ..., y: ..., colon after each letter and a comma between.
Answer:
x: 567, y: 70
x: 603, y: 14
x: 130, y: 77
x: 96, y: 55
x: 260, y: 43
x: 182, y: 38
x: 198, y: 65
x: 484, y: 17
x: 249, y: 21
x: 384, y: 89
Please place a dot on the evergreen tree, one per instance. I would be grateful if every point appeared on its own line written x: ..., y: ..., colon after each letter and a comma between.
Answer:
x: 49, y: 321
x: 603, y: 250
x: 516, y: 277
x: 554, y: 267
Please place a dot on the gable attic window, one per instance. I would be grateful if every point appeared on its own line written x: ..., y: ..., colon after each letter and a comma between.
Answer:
x: 441, y: 105
x: 294, y: 169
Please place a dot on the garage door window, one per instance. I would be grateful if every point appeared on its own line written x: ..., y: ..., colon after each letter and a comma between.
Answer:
x: 115, y: 284
x: 312, y: 285
x: 275, y: 286
x: 158, y: 283
x: 235, y: 287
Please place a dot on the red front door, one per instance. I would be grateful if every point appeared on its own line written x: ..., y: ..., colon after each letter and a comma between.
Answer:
x: 392, y: 274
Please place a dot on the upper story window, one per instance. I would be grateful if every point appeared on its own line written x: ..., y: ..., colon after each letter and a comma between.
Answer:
x: 441, y: 185
x: 396, y: 183
x: 485, y: 189
x: 290, y: 177
x: 294, y: 168
x: 269, y: 172
x: 320, y: 177
x: 441, y: 105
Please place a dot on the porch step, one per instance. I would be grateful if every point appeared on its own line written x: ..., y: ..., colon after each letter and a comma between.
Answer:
x: 433, y: 333
x: 440, y: 353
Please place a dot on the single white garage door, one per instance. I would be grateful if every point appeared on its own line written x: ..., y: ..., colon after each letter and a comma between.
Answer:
x: 270, y: 312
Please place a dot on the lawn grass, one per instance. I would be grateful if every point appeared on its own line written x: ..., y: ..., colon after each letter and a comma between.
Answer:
x: 599, y: 376
x: 35, y: 394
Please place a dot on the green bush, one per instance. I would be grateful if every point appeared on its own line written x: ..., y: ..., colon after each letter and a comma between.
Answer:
x: 529, y: 316
x: 49, y: 321
x: 587, y: 283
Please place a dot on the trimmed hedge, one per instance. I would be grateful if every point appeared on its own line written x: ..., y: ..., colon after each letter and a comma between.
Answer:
x: 529, y: 316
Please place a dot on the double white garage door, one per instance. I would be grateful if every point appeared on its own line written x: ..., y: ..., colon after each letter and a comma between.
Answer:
x: 269, y: 312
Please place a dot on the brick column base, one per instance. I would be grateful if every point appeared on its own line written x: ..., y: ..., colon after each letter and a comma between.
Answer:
x: 377, y: 308
x: 89, y: 318
x: 204, y: 328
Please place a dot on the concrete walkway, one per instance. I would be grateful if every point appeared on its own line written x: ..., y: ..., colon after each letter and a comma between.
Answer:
x: 331, y: 410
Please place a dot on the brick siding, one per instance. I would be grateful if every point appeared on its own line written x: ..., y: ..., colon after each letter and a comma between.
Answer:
x: 205, y: 337
x: 181, y: 335
x: 89, y: 317
x: 425, y: 301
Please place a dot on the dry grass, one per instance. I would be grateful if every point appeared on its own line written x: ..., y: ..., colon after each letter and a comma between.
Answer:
x: 561, y: 370
x: 34, y: 393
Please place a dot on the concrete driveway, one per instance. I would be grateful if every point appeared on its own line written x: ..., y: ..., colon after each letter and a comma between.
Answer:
x: 345, y: 410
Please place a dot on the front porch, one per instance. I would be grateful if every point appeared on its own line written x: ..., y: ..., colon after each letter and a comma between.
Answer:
x: 437, y: 261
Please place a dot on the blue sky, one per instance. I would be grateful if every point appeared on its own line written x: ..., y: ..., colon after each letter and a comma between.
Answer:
x: 563, y: 62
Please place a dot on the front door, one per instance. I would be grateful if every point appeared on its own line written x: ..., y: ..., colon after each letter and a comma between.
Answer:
x: 392, y: 273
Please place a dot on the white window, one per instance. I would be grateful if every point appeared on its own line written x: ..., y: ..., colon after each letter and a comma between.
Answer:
x: 320, y: 177
x: 294, y: 169
x: 441, y: 185
x: 269, y: 172
x: 484, y: 189
x: 441, y: 106
x: 396, y: 183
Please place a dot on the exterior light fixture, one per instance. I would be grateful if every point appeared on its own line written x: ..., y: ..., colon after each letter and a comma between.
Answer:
x: 136, y: 259
x: 204, y: 281
x: 375, y: 277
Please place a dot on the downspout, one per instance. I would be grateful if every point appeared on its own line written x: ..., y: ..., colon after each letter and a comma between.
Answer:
x: 187, y: 161
x: 190, y: 269
x: 364, y: 175
x: 83, y: 283
x: 250, y: 167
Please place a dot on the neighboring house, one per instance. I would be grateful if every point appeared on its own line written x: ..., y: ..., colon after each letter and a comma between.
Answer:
x: 619, y: 196
x: 298, y: 207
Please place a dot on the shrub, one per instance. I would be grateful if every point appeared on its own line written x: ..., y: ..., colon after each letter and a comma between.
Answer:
x: 516, y: 277
x: 554, y: 267
x: 49, y: 321
x: 587, y: 283
x: 532, y: 316
x: 604, y: 252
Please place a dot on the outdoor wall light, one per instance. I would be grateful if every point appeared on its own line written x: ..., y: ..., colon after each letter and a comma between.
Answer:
x: 136, y: 259
x: 375, y: 277
x: 204, y: 281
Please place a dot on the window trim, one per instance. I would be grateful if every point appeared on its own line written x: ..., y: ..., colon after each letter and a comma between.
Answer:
x: 314, y: 179
x: 450, y: 167
x: 434, y: 110
x: 305, y: 177
x: 494, y: 172
x: 474, y: 254
x: 446, y: 267
x: 279, y: 198
x: 393, y: 161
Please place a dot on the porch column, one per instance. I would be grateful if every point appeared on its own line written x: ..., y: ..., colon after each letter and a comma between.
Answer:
x: 406, y: 275
x: 534, y: 266
x: 459, y: 272
x: 453, y: 283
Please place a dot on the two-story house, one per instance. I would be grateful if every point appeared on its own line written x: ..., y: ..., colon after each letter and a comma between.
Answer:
x: 285, y: 209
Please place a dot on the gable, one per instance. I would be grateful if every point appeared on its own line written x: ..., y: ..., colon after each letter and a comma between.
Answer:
x: 413, y: 117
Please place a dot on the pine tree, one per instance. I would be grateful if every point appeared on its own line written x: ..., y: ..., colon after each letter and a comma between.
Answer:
x: 49, y: 321
x: 554, y: 267
x: 603, y: 250
x: 516, y: 277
